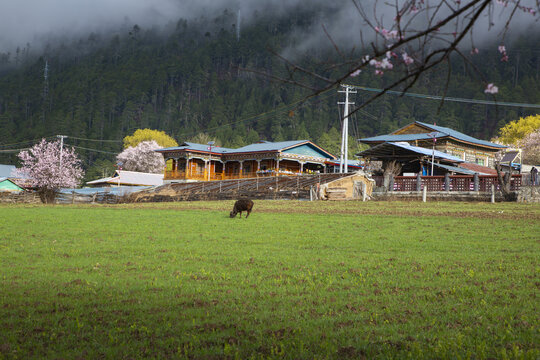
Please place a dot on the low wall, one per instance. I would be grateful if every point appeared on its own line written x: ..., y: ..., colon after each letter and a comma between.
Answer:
x: 529, y: 194
x: 436, y: 196
x: 22, y: 197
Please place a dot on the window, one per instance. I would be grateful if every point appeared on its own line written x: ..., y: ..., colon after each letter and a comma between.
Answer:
x: 480, y: 161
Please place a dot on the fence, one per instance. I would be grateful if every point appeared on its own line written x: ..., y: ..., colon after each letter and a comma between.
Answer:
x: 455, y: 183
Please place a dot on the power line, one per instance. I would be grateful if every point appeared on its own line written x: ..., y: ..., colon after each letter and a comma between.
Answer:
x: 95, y: 150
x: 27, y: 141
x: 77, y: 138
x: 454, y: 99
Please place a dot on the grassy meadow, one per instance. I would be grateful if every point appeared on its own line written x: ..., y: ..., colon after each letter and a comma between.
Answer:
x: 296, y: 280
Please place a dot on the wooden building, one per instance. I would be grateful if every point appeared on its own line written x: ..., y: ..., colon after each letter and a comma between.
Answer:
x: 198, y: 162
x: 443, y: 139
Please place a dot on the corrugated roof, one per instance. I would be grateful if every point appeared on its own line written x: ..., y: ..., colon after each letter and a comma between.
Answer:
x: 456, y: 169
x: 478, y: 168
x: 124, y: 177
x: 196, y: 147
x: 509, y: 156
x: 403, y: 137
x: 387, y: 149
x: 354, y: 163
x: 269, y: 146
x: 257, y: 147
x: 438, y: 132
x: 460, y: 136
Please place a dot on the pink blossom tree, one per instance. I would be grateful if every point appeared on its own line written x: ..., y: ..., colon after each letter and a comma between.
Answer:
x: 410, y: 38
x: 142, y: 158
x: 50, y: 168
x: 531, y: 148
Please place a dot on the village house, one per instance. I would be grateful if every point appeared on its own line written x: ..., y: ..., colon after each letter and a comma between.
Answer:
x: 443, y: 139
x: 198, y: 162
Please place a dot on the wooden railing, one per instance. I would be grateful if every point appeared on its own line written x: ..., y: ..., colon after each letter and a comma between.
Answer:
x: 457, y: 183
x: 181, y: 175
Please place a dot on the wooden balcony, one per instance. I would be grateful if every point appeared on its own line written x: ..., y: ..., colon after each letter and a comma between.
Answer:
x: 203, y: 176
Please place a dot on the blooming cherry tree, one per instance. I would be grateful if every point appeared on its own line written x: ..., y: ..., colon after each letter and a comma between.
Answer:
x: 411, y: 37
x: 50, y: 168
x: 531, y: 147
x: 142, y: 158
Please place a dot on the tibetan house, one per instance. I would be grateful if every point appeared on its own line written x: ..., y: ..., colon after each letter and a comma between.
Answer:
x: 443, y: 139
x: 415, y: 159
x: 191, y: 161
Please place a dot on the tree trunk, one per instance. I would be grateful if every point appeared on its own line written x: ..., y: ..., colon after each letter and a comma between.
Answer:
x: 47, y: 196
x: 505, y: 179
x: 391, y: 169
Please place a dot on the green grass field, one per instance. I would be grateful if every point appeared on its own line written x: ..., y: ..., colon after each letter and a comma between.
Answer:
x: 296, y: 280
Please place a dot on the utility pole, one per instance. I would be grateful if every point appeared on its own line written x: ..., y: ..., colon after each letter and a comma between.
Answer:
x: 343, y: 165
x: 61, y: 147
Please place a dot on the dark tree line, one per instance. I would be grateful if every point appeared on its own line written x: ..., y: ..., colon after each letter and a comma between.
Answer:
x: 188, y: 79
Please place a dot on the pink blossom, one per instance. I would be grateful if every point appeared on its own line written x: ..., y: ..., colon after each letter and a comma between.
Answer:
x: 407, y: 59
x: 379, y: 72
x: 491, y: 89
x: 356, y: 73
x: 474, y: 51
x: 142, y: 158
x: 502, y: 50
x: 531, y: 147
x: 47, y: 170
x: 382, y: 64
x: 387, y: 34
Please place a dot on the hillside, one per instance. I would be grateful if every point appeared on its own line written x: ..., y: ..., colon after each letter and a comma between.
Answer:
x: 185, y: 79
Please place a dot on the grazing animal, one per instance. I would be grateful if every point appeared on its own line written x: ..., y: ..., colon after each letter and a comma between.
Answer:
x: 242, y: 205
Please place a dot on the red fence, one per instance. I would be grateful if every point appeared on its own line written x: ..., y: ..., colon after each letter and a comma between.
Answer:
x: 457, y: 183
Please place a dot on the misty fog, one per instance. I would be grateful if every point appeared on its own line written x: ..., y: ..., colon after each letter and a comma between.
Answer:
x: 39, y: 21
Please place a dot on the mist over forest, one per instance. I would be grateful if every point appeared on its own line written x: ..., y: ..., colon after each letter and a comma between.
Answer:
x: 180, y: 67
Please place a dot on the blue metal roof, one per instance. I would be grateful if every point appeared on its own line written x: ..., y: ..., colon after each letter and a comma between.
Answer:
x: 460, y: 136
x: 355, y: 163
x: 257, y: 147
x: 269, y: 146
x: 196, y: 147
x: 404, y: 137
x: 387, y: 150
x: 426, y: 151
x: 438, y: 132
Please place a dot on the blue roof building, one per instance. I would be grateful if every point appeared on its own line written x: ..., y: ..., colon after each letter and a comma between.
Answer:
x: 191, y: 161
x: 443, y: 139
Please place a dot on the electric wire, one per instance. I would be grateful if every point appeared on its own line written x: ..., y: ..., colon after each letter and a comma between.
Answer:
x: 27, y: 141
x: 77, y: 138
x: 95, y: 150
x: 448, y: 98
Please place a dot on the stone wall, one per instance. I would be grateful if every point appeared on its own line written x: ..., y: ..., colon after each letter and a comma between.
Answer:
x: 529, y: 194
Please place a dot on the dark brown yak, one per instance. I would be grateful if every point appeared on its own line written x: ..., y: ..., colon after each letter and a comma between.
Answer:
x: 242, y: 205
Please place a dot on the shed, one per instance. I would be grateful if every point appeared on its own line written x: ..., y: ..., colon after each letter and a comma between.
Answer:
x: 8, y: 185
x: 129, y: 178
x: 347, y: 188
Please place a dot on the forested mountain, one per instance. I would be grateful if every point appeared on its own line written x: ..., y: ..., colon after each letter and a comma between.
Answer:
x: 186, y: 79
